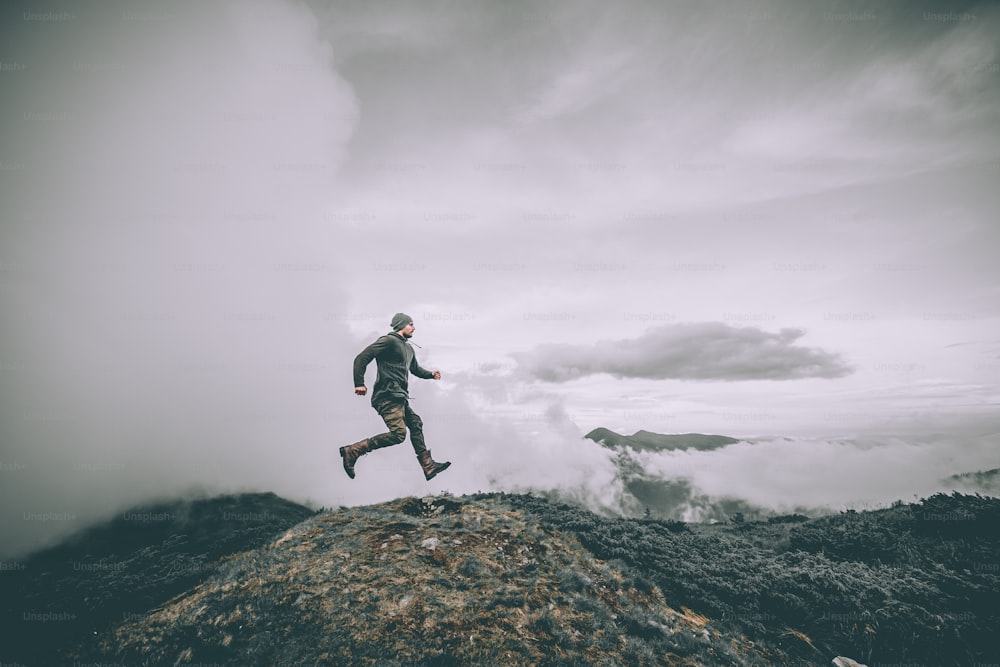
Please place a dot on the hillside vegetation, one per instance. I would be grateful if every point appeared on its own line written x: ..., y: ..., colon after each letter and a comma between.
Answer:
x: 71, y: 595
x: 912, y: 584
x: 499, y: 579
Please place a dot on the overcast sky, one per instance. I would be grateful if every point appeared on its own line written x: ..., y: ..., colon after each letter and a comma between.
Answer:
x: 748, y: 218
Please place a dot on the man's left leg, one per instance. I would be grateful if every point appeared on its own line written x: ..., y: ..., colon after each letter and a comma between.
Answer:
x: 392, y: 413
x: 416, y: 426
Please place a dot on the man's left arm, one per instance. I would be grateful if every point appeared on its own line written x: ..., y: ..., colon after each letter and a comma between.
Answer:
x: 422, y: 372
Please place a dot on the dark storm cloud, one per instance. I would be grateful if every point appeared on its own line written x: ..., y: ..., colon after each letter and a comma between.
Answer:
x: 694, y: 351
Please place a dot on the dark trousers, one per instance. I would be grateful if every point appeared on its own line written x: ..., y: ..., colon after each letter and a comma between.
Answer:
x: 398, y: 417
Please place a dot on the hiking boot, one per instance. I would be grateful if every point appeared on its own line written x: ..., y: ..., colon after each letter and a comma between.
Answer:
x: 351, y: 454
x: 430, y: 466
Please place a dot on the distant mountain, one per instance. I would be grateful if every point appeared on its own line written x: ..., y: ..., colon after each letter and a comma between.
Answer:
x: 672, y: 498
x: 663, y: 496
x: 982, y: 481
x: 656, y: 442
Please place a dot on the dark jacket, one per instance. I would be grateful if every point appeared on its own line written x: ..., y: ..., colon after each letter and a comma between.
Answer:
x: 395, y: 360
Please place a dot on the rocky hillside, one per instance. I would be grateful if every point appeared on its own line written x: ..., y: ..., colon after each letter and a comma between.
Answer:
x: 437, y: 581
x: 497, y: 579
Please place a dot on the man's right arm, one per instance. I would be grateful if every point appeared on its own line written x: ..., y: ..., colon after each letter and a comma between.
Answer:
x: 362, y: 360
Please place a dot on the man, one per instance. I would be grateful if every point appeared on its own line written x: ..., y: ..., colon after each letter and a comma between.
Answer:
x: 395, y: 361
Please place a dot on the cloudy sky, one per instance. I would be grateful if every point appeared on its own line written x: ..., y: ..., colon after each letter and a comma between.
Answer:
x: 754, y: 218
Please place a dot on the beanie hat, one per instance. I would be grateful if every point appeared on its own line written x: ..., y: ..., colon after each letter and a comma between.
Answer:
x: 400, y: 320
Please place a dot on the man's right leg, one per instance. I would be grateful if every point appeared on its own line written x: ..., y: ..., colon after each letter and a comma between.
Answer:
x: 394, y: 416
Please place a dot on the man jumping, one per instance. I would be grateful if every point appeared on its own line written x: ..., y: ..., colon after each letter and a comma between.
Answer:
x: 395, y: 361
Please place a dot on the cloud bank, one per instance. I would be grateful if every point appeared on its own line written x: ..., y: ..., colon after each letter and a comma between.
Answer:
x: 792, y: 474
x: 690, y: 351
x: 170, y: 324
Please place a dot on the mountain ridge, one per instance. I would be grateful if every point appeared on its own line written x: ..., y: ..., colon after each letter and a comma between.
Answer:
x: 643, y: 440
